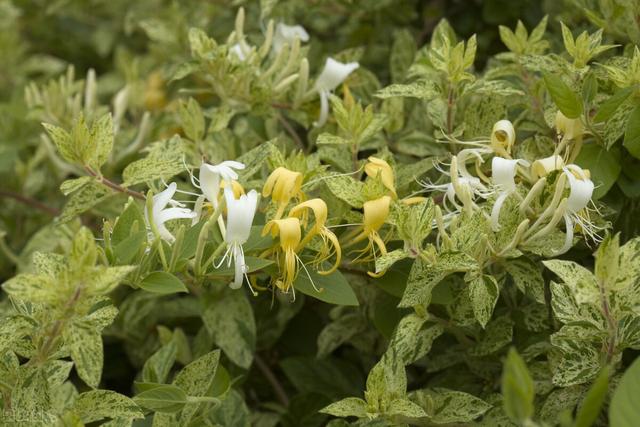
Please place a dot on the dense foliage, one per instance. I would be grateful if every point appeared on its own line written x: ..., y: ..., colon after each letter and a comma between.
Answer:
x: 331, y: 212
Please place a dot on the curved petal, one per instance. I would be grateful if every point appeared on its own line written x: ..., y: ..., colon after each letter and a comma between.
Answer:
x: 581, y: 191
x: 173, y: 213
x: 504, y: 173
x: 324, y: 108
x: 239, y: 268
x: 161, y: 200
x: 568, y: 241
x: 334, y: 73
x: 209, y: 182
x: 495, y: 212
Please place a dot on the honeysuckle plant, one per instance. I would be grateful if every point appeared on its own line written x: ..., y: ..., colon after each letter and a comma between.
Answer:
x: 319, y: 213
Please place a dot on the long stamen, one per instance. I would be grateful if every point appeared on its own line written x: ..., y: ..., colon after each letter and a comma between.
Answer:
x: 308, y: 275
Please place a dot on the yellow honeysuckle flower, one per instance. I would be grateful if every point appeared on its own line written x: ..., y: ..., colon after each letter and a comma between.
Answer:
x: 543, y: 167
x: 237, y: 188
x: 330, y: 241
x: 503, y: 136
x: 569, y: 128
x: 289, y: 233
x: 413, y: 200
x: 376, y: 213
x: 283, y: 185
x: 378, y: 167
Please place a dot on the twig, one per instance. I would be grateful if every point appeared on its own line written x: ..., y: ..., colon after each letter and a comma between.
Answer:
x: 113, y: 185
x: 292, y: 133
x: 29, y: 202
x: 273, y: 380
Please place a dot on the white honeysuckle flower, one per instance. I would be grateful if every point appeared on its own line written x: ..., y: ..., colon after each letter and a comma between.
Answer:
x: 241, y: 50
x: 210, y: 178
x: 503, y: 177
x: 463, y: 187
x: 240, y: 213
x: 162, y: 215
x: 581, y: 191
x: 333, y: 73
x: 286, y: 34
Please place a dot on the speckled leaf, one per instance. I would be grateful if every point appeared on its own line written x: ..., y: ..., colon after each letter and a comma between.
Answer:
x: 579, y: 279
x: 444, y: 406
x: 411, y: 340
x: 527, y: 276
x: 348, y: 407
x: 484, y: 293
x: 346, y: 189
x: 96, y: 405
x: 577, y: 366
x: 229, y: 319
x: 85, y: 346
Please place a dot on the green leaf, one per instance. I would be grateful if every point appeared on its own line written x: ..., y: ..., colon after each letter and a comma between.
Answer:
x: 421, y: 89
x: 332, y: 288
x: 156, y: 369
x: 346, y: 189
x: 191, y: 119
x: 425, y: 276
x: 629, y: 268
x: 592, y: 403
x: 197, y: 379
x: 387, y: 381
x: 444, y: 406
x: 131, y: 220
x: 230, y: 321
x: 82, y: 200
x: 579, y: 363
x: 607, y: 108
x: 85, y: 347
x: 632, y: 133
x: 564, y: 97
x: 126, y: 250
x: 578, y: 278
x: 402, y: 54
x: 63, y: 142
x: 348, y: 407
x: 165, y: 160
x: 99, y: 149
x: 329, y: 139
x: 72, y: 185
x: 96, y: 405
x: 607, y: 261
x: 624, y: 410
x: 340, y: 331
x: 527, y: 276
x: 411, y: 340
x: 517, y: 388
x: 329, y: 376
x: 163, y: 398
x: 484, y: 293
x: 603, y: 164
x: 12, y: 329
x: 31, y: 287
x: 160, y: 282
x: 406, y: 408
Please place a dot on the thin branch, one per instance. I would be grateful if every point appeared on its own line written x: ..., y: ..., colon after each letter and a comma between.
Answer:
x: 292, y: 133
x: 29, y: 202
x: 273, y: 380
x: 113, y: 185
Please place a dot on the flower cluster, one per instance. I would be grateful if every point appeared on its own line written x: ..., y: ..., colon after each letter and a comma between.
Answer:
x: 528, y: 182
